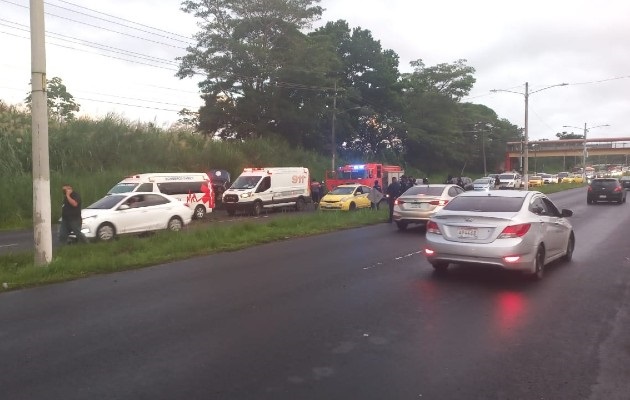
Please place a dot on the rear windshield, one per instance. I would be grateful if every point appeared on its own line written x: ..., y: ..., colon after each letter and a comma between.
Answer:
x: 485, y: 204
x: 424, y: 190
x: 608, y: 183
x: 506, y: 176
x: 107, y: 202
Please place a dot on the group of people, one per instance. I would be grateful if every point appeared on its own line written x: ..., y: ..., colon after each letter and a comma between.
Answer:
x: 393, y: 191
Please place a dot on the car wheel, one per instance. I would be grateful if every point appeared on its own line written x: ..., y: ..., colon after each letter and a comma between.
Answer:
x: 539, y: 265
x: 200, y: 212
x: 401, y: 225
x: 300, y: 204
x: 105, y: 232
x: 257, y: 208
x: 589, y: 201
x: 175, y: 224
x: 352, y: 207
x: 568, y: 256
x: 440, y: 266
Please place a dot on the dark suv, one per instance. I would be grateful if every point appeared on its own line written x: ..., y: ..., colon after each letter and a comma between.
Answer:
x: 605, y: 189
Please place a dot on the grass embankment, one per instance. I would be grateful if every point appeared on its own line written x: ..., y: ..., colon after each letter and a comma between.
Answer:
x: 76, y: 261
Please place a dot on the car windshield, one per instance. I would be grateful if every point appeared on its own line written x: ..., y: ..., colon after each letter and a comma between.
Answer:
x: 424, y: 191
x: 535, y: 178
x: 123, y: 188
x: 246, y: 182
x: 107, y: 202
x: 485, y: 204
x: 506, y: 176
x: 482, y: 181
x: 343, y: 190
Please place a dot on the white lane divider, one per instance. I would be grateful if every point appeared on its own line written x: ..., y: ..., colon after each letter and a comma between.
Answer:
x: 395, y: 258
x: 8, y: 245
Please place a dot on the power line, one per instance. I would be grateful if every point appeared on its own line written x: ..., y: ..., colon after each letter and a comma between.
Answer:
x: 123, y: 19
x: 118, y: 23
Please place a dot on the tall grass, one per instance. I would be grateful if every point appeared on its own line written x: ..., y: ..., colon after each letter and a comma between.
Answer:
x: 93, y: 155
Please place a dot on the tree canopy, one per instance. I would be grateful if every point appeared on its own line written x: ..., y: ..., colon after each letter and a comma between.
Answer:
x: 266, y: 73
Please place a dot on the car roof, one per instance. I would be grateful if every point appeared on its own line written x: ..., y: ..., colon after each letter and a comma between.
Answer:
x: 499, y: 193
x: 350, y: 185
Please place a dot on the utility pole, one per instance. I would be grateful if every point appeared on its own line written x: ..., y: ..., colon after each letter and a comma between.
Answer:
x: 333, y: 145
x: 42, y: 229
x: 584, y: 151
x: 526, y: 156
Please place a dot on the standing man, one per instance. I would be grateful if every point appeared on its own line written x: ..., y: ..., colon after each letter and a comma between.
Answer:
x: 375, y: 196
x: 70, y: 216
x: 316, y: 189
x: 393, y: 191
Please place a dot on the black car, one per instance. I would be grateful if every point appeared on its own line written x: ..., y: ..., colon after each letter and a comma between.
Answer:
x: 625, y: 182
x: 605, y: 189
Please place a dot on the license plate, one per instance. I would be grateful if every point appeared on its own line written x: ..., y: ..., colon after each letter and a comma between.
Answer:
x: 419, y: 205
x: 467, y: 233
x: 602, y: 196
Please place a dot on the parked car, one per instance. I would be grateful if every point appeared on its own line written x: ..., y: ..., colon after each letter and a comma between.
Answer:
x: 561, y: 176
x: 419, y: 203
x: 535, y: 181
x: 625, y: 181
x: 546, y: 178
x: 348, y: 197
x: 483, y: 184
x: 134, y: 212
x: 514, y: 230
x: 605, y: 189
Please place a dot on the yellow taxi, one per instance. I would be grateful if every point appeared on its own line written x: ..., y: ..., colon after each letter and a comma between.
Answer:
x: 577, y: 179
x: 347, y: 197
x: 535, y: 181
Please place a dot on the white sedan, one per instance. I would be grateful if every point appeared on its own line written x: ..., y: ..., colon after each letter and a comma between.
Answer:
x: 510, y: 229
x: 134, y: 212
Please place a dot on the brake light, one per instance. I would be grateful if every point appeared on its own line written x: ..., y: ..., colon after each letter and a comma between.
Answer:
x: 398, y: 202
x: 590, y: 189
x: 428, y: 252
x: 511, y: 259
x: 514, y: 231
x: 432, y: 227
x: 618, y: 189
x: 438, y: 202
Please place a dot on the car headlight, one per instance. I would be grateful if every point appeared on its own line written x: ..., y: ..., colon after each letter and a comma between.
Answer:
x: 245, y: 195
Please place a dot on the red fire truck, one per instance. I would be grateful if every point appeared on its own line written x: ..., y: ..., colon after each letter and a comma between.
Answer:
x: 364, y: 174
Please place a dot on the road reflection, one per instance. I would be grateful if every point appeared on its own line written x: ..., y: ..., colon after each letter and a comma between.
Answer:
x: 509, y: 313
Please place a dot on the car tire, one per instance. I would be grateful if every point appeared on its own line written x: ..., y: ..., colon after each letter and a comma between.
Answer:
x: 105, y: 232
x: 568, y: 256
x: 257, y: 208
x: 352, y: 207
x: 589, y: 201
x: 538, y: 266
x: 200, y: 212
x: 401, y: 225
x: 439, y: 266
x: 300, y: 205
x: 175, y: 224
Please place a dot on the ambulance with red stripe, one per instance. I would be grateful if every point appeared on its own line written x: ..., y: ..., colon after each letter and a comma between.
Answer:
x: 258, y: 189
x: 192, y: 188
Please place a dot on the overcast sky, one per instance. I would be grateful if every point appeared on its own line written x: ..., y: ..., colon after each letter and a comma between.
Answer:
x: 583, y: 43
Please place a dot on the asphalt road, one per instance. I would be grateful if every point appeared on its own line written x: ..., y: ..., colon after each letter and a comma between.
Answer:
x: 355, y: 314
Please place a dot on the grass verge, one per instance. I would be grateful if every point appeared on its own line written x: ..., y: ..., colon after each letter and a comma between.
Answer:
x: 77, y: 261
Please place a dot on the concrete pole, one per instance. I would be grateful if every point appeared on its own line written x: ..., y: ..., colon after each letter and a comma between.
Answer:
x: 584, y: 155
x: 526, y: 144
x: 333, y: 143
x: 42, y: 229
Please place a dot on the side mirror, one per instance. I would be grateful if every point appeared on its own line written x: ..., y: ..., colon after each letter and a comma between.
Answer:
x: 123, y: 207
x: 566, y: 213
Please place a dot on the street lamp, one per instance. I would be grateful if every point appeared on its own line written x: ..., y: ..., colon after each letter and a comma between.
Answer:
x: 526, y: 142
x: 584, y: 153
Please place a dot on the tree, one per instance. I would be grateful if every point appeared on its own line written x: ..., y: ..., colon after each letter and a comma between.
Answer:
x: 263, y: 76
x: 61, y: 104
x: 566, y: 135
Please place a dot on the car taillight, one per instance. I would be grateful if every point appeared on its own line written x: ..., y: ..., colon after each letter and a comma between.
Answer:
x: 432, y: 227
x: 514, y: 231
x: 590, y: 189
x: 398, y: 202
x: 618, y: 189
x: 438, y: 202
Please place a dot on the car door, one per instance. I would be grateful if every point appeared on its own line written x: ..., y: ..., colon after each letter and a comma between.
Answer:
x: 560, y: 227
x: 157, y: 211
x: 131, y: 218
x: 544, y: 226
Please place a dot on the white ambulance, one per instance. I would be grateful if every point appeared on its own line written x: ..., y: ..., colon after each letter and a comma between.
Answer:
x: 268, y: 188
x: 193, y: 188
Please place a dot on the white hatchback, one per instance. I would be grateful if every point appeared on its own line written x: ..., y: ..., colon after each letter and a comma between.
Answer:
x: 134, y: 212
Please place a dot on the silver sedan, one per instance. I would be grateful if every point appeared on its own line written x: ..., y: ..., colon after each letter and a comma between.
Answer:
x: 514, y: 230
x: 421, y: 202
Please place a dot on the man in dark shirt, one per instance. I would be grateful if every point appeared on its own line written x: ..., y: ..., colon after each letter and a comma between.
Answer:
x: 70, y: 216
x: 393, y: 191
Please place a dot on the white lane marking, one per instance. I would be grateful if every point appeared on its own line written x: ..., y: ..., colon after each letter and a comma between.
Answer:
x: 8, y: 245
x: 395, y: 258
